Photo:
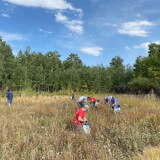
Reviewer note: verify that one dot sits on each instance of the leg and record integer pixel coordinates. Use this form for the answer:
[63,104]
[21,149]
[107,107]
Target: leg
[8,102]
[11,101]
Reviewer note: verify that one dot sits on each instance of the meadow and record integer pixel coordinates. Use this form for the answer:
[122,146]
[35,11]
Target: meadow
[40,127]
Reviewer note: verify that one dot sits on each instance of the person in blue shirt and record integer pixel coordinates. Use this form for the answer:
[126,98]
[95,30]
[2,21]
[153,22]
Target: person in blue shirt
[9,98]
[115,104]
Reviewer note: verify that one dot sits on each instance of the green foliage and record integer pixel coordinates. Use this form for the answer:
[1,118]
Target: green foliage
[6,64]
[149,67]
[46,72]
[142,85]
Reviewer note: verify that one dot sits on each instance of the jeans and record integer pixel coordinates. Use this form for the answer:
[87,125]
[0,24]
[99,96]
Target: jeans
[107,103]
[9,102]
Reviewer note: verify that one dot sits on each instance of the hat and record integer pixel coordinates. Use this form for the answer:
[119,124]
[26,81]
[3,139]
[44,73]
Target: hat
[86,106]
[110,97]
[85,99]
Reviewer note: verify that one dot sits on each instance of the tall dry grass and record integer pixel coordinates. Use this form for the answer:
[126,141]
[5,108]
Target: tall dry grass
[36,128]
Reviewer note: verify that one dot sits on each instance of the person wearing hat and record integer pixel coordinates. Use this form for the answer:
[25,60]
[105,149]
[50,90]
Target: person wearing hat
[106,101]
[81,100]
[115,104]
[79,118]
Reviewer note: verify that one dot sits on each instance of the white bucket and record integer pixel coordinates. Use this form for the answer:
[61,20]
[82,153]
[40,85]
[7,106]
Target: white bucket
[117,109]
[96,104]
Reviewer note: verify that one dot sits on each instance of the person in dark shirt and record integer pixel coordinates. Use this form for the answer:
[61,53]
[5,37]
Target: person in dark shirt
[9,95]
[72,97]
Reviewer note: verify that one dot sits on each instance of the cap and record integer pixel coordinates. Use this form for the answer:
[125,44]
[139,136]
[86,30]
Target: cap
[110,97]
[86,106]
[85,99]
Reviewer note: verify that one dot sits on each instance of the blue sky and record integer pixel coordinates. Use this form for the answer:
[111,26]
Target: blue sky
[96,30]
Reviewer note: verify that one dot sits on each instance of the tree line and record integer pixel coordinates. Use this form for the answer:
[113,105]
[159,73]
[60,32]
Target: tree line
[46,72]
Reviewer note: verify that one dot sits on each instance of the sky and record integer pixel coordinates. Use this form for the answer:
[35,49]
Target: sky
[96,30]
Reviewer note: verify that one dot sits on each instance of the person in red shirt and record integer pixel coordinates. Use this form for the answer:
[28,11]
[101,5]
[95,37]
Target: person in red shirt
[79,118]
[93,101]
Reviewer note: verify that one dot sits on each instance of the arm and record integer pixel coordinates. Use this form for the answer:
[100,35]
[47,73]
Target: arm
[114,103]
[80,119]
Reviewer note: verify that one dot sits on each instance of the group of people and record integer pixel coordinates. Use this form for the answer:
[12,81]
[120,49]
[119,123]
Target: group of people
[112,101]
[80,121]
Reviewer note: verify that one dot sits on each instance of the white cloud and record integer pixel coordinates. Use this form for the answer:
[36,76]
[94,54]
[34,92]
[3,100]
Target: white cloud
[94,51]
[74,25]
[61,18]
[48,4]
[145,45]
[47,32]
[128,48]
[136,28]
[11,36]
[138,15]
[5,15]
[111,25]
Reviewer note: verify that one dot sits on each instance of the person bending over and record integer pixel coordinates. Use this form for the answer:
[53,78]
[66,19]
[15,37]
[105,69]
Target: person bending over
[81,100]
[115,104]
[106,101]
[79,118]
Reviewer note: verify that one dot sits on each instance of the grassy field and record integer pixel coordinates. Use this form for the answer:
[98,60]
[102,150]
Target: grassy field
[36,128]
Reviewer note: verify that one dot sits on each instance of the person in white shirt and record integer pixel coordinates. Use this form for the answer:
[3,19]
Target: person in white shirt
[81,100]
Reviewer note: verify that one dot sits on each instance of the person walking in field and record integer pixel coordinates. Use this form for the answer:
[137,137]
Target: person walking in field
[81,100]
[115,104]
[106,101]
[80,119]
[9,95]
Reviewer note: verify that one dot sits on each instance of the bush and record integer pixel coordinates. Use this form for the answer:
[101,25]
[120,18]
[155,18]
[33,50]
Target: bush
[142,85]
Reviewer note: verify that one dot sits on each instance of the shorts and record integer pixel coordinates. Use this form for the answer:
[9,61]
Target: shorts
[78,127]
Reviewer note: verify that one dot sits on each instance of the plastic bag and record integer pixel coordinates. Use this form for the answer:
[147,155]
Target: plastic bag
[86,129]
[116,109]
[96,104]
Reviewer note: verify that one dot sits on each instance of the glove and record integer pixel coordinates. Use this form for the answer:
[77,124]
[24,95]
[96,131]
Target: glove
[86,123]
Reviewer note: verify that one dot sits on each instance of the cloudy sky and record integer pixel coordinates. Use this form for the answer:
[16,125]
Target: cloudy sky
[97,30]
